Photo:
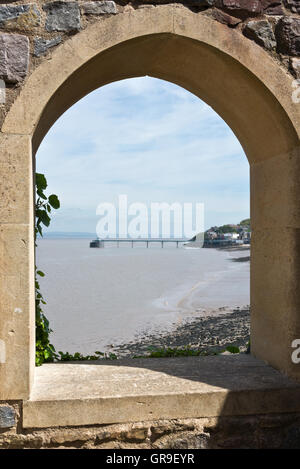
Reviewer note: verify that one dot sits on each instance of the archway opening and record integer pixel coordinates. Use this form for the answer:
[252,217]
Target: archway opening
[143,142]
[257,118]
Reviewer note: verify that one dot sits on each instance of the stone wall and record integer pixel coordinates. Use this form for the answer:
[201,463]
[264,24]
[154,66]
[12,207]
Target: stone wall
[258,431]
[30,31]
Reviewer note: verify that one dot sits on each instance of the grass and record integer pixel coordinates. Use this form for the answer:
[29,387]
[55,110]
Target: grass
[68,357]
[163,352]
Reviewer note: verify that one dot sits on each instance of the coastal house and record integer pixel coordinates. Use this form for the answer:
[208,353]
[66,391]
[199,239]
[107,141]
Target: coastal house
[231,236]
[211,234]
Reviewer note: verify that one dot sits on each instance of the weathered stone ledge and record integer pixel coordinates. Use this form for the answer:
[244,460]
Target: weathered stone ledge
[233,402]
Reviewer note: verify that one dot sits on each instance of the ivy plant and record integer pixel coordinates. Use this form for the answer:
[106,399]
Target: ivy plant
[45,352]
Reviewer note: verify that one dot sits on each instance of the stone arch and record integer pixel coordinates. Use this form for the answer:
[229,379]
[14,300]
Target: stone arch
[241,81]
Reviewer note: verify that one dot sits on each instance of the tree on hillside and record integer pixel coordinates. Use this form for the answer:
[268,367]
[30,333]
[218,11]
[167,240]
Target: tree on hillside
[246,224]
[227,229]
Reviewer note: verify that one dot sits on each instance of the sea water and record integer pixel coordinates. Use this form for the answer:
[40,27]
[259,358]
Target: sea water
[98,298]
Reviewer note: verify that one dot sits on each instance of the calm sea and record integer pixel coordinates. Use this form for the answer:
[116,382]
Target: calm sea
[102,297]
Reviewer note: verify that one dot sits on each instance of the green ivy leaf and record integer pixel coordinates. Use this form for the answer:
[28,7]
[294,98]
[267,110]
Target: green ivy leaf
[53,201]
[45,352]
[41,181]
[43,217]
[41,194]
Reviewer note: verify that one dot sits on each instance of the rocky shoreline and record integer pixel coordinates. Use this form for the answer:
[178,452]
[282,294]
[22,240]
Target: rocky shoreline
[211,333]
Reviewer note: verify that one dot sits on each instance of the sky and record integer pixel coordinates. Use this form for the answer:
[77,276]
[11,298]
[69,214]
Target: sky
[150,140]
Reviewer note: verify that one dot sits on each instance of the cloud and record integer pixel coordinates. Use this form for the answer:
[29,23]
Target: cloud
[149,139]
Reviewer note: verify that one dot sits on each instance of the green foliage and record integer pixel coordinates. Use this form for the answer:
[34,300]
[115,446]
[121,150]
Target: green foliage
[43,204]
[68,357]
[243,225]
[45,351]
[232,349]
[227,229]
[245,222]
[53,201]
[172,352]
[187,351]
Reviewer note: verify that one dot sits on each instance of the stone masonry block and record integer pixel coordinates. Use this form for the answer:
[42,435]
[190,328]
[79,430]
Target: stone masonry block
[62,16]
[99,8]
[7,416]
[261,32]
[42,45]
[288,35]
[14,57]
[19,17]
